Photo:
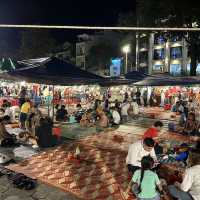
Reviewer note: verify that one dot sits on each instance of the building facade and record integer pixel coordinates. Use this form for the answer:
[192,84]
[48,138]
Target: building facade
[158,54]
[82,48]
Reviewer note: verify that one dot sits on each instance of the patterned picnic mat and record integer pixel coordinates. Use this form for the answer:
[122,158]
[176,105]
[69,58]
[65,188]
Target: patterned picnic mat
[101,174]
[159,113]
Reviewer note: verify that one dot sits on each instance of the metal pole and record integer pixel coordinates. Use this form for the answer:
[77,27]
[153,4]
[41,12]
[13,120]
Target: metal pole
[48,99]
[53,111]
[126,62]
[137,52]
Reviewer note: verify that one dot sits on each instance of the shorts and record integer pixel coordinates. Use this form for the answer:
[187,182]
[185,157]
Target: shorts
[23,117]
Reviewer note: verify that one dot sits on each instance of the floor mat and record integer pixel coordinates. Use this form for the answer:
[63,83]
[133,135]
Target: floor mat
[159,113]
[102,172]
[100,175]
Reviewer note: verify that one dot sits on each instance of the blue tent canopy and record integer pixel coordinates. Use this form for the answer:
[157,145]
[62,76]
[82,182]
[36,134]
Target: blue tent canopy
[53,71]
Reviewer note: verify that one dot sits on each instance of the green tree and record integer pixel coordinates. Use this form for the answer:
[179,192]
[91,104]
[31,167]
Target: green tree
[102,49]
[36,43]
[170,13]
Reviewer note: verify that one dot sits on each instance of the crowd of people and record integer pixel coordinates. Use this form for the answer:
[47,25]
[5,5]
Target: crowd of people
[147,182]
[144,156]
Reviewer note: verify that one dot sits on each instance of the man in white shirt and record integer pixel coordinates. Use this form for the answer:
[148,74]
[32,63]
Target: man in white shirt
[124,111]
[137,151]
[116,116]
[189,189]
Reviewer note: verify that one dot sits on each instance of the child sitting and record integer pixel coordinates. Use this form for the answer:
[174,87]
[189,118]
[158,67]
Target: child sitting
[86,120]
[179,156]
[145,181]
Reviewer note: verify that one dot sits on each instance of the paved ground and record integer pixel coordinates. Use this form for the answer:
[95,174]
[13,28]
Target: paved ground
[44,192]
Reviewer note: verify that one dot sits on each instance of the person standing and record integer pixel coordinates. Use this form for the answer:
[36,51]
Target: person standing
[124,111]
[22,96]
[25,108]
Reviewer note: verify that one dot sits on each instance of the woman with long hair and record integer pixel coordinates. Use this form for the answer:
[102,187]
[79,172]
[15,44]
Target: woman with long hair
[145,182]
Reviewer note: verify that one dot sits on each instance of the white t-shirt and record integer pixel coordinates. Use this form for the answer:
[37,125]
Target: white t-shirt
[191,181]
[135,108]
[124,110]
[181,108]
[136,152]
[116,117]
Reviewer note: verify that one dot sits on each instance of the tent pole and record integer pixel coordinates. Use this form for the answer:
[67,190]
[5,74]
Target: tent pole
[53,105]
[48,102]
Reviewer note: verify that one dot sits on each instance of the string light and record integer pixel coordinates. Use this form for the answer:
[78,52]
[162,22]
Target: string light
[99,28]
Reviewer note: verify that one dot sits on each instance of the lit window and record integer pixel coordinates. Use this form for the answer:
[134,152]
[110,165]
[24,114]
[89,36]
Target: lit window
[197,69]
[176,52]
[159,54]
[175,69]
[159,40]
[157,67]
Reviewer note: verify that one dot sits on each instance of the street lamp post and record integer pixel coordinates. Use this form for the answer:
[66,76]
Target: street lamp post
[126,49]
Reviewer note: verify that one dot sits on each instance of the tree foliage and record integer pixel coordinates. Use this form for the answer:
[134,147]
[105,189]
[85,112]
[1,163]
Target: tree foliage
[36,43]
[103,48]
[174,13]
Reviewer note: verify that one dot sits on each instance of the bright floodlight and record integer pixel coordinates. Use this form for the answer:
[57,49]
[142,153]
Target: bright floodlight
[126,49]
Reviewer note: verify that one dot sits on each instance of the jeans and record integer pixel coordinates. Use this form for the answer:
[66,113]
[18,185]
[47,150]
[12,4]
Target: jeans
[124,118]
[136,193]
[179,194]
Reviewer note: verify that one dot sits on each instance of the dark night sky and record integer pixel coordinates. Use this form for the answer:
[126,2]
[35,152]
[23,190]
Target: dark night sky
[63,12]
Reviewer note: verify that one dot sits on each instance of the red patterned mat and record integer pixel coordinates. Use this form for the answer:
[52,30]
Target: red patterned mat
[159,113]
[113,140]
[116,140]
[100,175]
[102,172]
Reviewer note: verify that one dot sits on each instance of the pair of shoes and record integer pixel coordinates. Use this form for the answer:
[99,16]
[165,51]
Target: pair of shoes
[21,181]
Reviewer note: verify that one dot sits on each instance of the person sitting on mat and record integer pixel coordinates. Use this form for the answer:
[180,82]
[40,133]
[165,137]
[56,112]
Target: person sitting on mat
[137,151]
[189,189]
[86,120]
[102,122]
[145,182]
[191,125]
[61,114]
[5,137]
[44,135]
[116,119]
[154,132]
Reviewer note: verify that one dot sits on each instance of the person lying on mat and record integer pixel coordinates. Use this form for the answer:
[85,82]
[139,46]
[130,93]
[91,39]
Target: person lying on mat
[145,182]
[189,189]
[137,151]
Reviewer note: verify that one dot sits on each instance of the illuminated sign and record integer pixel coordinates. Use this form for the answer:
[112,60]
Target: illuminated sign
[115,67]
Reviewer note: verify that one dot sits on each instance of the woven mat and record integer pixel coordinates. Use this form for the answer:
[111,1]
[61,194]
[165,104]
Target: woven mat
[102,172]
[159,113]
[100,175]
